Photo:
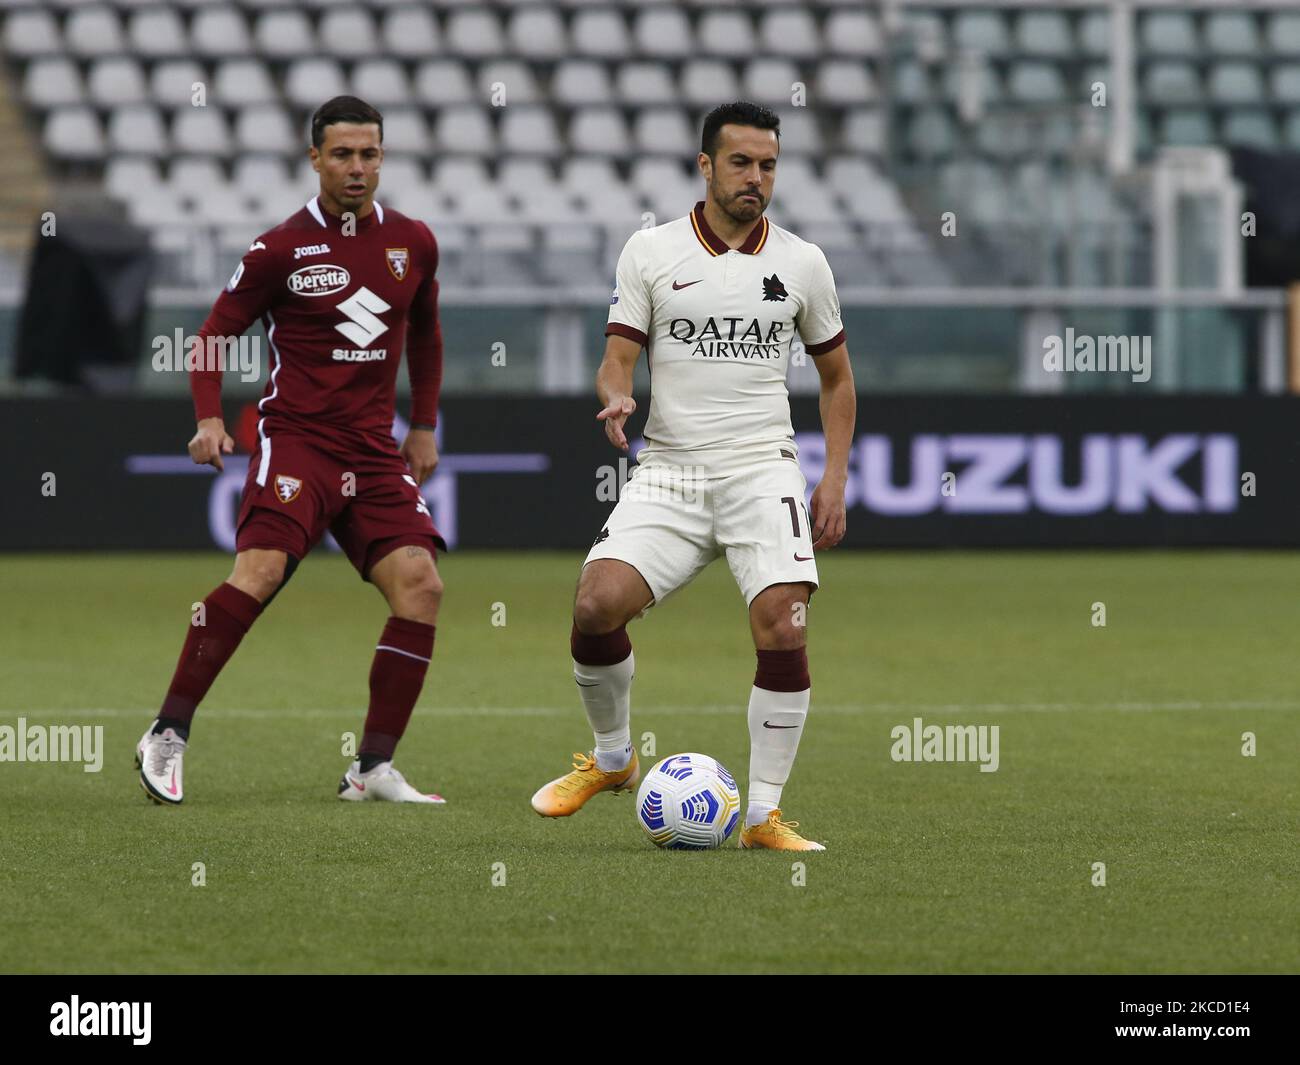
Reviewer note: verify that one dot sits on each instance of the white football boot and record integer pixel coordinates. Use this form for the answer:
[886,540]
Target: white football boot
[383,784]
[159,758]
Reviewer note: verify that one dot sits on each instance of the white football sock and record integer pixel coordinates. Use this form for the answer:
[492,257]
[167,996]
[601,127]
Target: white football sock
[607,695]
[775,724]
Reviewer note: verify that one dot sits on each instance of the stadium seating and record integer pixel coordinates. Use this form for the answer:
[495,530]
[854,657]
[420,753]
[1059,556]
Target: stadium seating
[587,96]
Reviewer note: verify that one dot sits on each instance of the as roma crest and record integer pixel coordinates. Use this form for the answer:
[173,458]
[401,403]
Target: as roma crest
[287,488]
[398,260]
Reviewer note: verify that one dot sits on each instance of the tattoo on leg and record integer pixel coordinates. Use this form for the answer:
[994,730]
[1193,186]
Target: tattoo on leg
[416,552]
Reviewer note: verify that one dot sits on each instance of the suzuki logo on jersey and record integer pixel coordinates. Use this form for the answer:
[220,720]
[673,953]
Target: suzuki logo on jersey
[310,249]
[729,340]
[363,308]
[398,260]
[322,279]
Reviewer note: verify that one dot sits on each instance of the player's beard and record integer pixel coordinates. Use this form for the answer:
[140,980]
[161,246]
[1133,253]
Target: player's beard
[738,209]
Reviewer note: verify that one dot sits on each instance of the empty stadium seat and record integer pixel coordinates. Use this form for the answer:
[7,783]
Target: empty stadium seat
[790,32]
[841,82]
[663,131]
[1094,33]
[1036,82]
[1167,33]
[664,33]
[853,33]
[52,82]
[1231,33]
[201,130]
[309,82]
[285,34]
[582,81]
[706,82]
[1187,127]
[348,33]
[116,81]
[220,31]
[443,83]
[1285,82]
[266,128]
[981,31]
[32,33]
[1044,33]
[647,84]
[94,31]
[475,34]
[137,129]
[1235,82]
[599,131]
[156,33]
[602,34]
[405,130]
[514,79]
[409,33]
[538,33]
[770,81]
[529,130]
[728,34]
[465,129]
[1171,82]
[74,134]
[381,83]
[242,83]
[1250,127]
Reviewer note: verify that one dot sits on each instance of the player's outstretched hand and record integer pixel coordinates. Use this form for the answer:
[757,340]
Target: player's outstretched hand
[210,443]
[420,449]
[828,519]
[614,416]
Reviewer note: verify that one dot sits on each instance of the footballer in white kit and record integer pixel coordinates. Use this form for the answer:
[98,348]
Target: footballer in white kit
[717,298]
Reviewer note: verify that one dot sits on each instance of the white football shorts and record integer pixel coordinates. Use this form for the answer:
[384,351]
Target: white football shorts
[669,523]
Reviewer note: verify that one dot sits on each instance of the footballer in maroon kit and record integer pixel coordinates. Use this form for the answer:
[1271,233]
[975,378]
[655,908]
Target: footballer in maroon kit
[335,287]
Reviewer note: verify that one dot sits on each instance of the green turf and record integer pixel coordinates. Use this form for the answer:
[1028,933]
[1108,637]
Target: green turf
[1119,744]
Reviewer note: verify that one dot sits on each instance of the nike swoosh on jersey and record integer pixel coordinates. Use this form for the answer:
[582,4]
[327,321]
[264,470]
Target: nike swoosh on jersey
[799,558]
[678,288]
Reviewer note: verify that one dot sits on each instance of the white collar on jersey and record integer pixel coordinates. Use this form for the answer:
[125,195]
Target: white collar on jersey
[313,205]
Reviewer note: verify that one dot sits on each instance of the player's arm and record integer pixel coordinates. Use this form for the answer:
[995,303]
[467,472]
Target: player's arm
[839,407]
[424,367]
[626,333]
[614,386]
[245,298]
[822,330]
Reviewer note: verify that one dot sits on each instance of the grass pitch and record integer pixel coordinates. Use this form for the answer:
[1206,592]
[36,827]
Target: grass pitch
[1119,744]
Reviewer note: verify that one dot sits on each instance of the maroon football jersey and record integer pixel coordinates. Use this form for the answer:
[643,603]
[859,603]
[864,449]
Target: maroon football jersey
[335,307]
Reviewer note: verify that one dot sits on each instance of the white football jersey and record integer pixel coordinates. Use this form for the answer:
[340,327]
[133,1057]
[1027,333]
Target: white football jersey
[717,325]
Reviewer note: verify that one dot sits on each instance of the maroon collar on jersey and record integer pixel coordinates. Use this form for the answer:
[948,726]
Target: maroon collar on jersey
[716,245]
[318,213]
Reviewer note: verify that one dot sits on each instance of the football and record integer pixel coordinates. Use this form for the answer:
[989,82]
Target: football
[688,802]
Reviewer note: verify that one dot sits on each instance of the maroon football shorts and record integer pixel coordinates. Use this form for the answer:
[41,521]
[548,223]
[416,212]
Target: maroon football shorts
[299,485]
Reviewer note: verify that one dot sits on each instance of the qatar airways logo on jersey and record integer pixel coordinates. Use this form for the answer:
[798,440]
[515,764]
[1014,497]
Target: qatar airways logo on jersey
[1020,473]
[322,279]
[730,338]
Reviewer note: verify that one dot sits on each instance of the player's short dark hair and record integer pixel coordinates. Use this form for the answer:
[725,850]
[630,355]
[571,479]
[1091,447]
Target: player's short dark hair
[740,113]
[343,109]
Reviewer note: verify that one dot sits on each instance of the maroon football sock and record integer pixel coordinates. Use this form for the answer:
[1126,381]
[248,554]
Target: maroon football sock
[396,676]
[228,615]
[608,649]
